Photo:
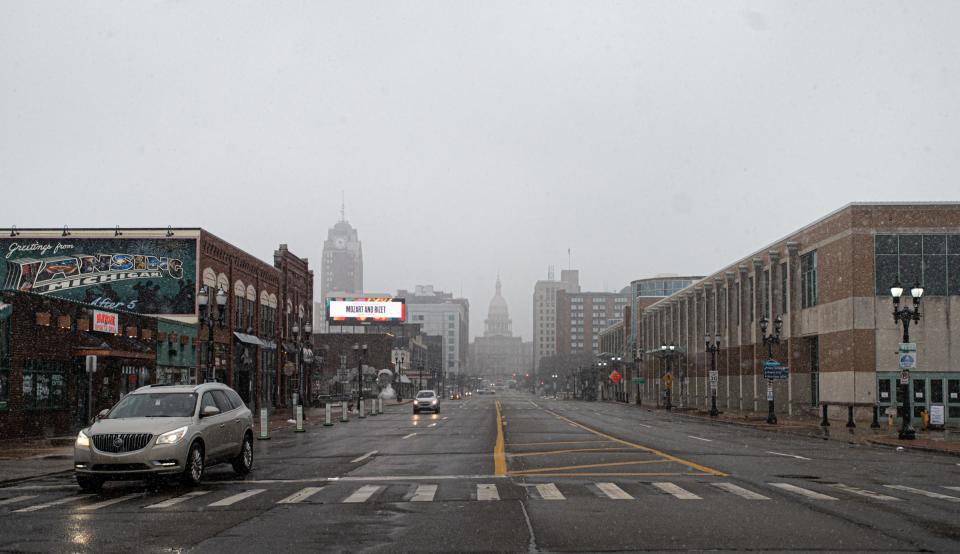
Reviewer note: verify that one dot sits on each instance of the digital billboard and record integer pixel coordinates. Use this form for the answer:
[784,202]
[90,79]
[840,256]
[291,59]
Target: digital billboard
[155,276]
[347,311]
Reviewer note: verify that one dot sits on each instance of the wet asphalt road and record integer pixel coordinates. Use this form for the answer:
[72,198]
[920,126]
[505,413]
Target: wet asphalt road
[559,476]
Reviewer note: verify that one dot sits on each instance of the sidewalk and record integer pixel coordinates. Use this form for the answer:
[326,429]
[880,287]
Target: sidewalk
[943,442]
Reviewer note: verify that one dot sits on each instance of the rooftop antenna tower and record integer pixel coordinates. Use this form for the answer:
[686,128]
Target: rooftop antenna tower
[569,266]
[550,273]
[343,206]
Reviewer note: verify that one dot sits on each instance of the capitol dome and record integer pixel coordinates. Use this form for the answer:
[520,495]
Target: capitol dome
[498,316]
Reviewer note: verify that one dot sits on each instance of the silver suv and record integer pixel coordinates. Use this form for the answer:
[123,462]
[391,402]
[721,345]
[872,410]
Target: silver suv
[162,430]
[426,400]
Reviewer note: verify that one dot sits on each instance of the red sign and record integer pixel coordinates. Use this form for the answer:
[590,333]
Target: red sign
[105,322]
[615,376]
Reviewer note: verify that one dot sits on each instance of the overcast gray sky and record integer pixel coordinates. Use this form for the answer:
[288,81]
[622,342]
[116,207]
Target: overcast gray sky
[472,137]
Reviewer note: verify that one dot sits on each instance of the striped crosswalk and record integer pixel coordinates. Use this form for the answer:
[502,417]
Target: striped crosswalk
[340,492]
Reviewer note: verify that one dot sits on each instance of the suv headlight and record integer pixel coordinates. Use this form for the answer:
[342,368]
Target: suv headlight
[83,441]
[172,437]
[434,401]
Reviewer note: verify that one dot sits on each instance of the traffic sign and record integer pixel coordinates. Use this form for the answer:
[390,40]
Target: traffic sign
[615,376]
[668,381]
[772,370]
[769,390]
[714,377]
[638,381]
[907,353]
[904,377]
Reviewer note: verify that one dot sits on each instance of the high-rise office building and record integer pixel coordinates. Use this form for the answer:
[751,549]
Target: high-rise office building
[545,311]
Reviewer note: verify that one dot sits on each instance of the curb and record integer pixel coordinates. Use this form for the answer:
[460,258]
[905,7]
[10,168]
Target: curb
[7,482]
[954,453]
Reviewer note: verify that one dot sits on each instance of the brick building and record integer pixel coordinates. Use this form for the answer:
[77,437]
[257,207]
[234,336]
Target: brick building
[581,316]
[44,381]
[829,281]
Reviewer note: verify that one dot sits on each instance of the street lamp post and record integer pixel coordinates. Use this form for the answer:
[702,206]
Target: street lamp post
[669,353]
[554,384]
[360,352]
[300,335]
[712,349]
[397,359]
[211,315]
[420,377]
[770,340]
[905,315]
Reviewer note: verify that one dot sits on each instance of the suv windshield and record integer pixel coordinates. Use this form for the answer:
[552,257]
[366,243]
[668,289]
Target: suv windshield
[169,404]
[428,394]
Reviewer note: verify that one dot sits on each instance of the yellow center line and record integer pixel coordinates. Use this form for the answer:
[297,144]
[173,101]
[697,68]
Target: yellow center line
[611,474]
[691,465]
[523,454]
[499,460]
[587,466]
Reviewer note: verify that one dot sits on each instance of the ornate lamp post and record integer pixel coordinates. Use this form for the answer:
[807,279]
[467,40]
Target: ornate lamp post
[211,315]
[397,360]
[300,339]
[669,353]
[770,340]
[360,353]
[905,315]
[712,349]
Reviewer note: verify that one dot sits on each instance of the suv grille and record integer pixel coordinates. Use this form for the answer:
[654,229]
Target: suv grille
[121,442]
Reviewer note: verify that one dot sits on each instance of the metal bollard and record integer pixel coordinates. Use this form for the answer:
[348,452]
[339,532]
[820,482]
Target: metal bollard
[300,428]
[373,406]
[327,415]
[264,425]
[850,423]
[381,406]
[825,422]
[875,424]
[360,413]
[344,416]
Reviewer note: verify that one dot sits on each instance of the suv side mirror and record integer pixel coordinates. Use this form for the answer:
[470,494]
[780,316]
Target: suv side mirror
[103,413]
[208,411]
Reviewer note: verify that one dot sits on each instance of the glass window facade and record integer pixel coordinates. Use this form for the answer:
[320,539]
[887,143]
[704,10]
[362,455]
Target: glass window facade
[662,287]
[808,280]
[931,260]
[44,384]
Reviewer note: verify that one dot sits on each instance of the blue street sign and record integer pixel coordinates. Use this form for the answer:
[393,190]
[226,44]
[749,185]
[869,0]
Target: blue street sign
[774,371]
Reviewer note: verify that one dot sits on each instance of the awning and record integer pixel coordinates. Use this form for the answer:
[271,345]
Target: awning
[404,379]
[248,339]
[5,310]
[268,344]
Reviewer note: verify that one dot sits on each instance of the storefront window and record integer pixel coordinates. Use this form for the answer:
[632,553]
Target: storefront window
[44,385]
[4,363]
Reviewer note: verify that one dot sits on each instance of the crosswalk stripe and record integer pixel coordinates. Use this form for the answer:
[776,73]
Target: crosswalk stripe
[111,502]
[178,499]
[424,493]
[36,507]
[16,499]
[953,488]
[865,492]
[936,495]
[487,491]
[803,492]
[613,491]
[740,491]
[300,495]
[230,500]
[362,494]
[549,491]
[676,491]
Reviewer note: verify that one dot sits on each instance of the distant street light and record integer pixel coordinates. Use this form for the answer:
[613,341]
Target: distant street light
[360,353]
[905,315]
[211,315]
[770,340]
[712,349]
[669,353]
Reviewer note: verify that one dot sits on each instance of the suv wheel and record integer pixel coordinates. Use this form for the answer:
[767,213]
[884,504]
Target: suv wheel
[243,463]
[193,470]
[90,483]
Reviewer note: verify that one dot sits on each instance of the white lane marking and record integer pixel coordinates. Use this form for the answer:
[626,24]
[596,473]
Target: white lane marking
[865,492]
[487,491]
[36,507]
[549,491]
[231,500]
[16,499]
[953,488]
[644,425]
[176,500]
[787,455]
[613,491]
[739,491]
[425,493]
[432,425]
[533,403]
[111,502]
[936,495]
[444,417]
[676,491]
[364,457]
[300,495]
[700,438]
[408,436]
[361,494]
[803,492]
